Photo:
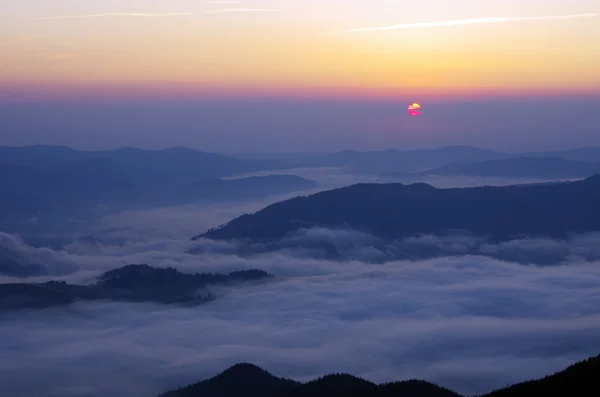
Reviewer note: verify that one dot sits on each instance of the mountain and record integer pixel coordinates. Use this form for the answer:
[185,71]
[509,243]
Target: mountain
[392,211]
[578,380]
[519,167]
[587,154]
[415,161]
[334,385]
[82,188]
[380,162]
[132,283]
[240,380]
[182,164]
[246,380]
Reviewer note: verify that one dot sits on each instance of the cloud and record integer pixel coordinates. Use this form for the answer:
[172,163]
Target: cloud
[470,323]
[472,21]
[66,55]
[21,39]
[231,10]
[476,318]
[121,14]
[155,15]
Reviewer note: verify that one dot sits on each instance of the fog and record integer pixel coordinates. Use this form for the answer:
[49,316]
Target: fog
[457,310]
[470,323]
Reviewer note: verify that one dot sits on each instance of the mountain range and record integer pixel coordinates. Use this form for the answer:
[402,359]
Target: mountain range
[416,161]
[392,211]
[518,167]
[247,380]
[47,184]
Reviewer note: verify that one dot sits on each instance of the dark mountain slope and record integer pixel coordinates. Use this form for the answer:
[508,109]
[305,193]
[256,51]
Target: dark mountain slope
[333,385]
[520,167]
[396,210]
[245,380]
[417,388]
[579,380]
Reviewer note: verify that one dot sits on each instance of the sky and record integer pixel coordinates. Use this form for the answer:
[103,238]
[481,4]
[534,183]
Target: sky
[137,55]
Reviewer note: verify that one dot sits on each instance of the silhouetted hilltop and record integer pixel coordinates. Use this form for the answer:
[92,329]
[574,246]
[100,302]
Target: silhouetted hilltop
[246,380]
[132,283]
[240,380]
[393,211]
[413,387]
[333,385]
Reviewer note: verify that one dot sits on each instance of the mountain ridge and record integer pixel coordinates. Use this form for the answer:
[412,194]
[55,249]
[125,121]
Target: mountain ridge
[578,380]
[392,211]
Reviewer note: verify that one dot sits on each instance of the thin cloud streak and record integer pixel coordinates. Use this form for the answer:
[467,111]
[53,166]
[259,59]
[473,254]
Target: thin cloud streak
[228,10]
[120,14]
[472,21]
[148,15]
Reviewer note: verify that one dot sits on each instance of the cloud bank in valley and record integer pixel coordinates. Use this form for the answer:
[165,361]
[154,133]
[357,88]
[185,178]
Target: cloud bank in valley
[469,323]
[472,320]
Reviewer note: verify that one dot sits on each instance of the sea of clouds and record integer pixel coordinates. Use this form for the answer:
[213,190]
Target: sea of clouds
[473,316]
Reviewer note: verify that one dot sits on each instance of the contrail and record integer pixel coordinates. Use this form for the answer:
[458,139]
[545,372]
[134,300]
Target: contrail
[120,14]
[471,21]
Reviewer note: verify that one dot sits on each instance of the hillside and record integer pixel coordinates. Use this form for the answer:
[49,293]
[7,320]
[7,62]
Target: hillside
[246,380]
[392,211]
[132,283]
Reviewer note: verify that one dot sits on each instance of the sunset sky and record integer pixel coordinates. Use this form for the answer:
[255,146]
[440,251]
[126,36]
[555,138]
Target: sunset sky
[435,49]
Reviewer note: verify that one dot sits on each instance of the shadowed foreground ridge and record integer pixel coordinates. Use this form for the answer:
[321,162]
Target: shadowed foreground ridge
[240,380]
[247,380]
[392,211]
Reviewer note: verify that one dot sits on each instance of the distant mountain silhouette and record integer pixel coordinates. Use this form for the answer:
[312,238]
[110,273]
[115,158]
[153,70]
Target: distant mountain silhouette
[179,163]
[587,154]
[392,211]
[79,188]
[132,283]
[519,167]
[246,380]
[385,161]
[415,161]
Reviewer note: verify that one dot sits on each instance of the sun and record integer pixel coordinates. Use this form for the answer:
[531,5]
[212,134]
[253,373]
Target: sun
[414,109]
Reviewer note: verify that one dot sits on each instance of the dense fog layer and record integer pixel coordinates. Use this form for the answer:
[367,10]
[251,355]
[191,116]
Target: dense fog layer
[474,316]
